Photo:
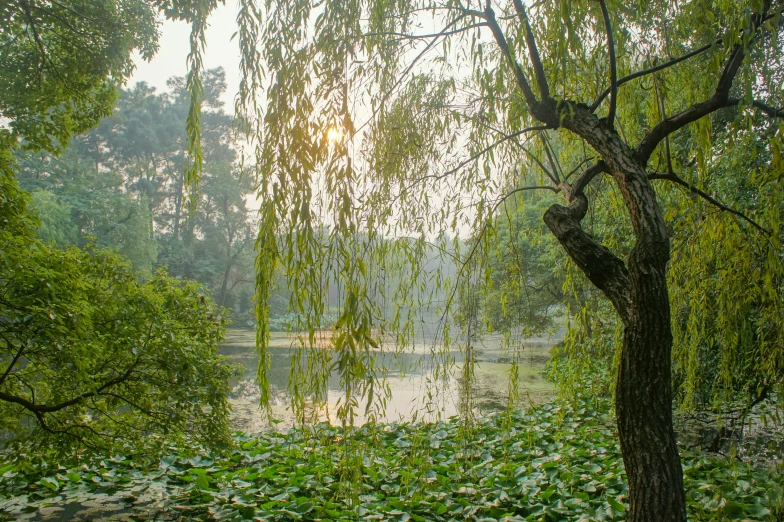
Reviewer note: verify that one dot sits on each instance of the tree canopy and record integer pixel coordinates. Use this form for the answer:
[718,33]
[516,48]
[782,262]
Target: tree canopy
[93,357]
[121,185]
[62,63]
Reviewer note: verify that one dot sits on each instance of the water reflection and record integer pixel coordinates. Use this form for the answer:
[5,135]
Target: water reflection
[415,391]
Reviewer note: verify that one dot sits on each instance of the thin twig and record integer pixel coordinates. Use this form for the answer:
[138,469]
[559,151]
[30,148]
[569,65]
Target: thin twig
[710,199]
[645,72]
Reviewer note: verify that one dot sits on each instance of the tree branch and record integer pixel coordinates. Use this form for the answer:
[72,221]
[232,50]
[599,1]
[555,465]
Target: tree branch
[719,99]
[413,63]
[710,199]
[405,36]
[44,408]
[556,178]
[613,65]
[523,189]
[522,81]
[13,361]
[583,180]
[533,50]
[603,268]
[536,159]
[476,156]
[645,72]
[576,168]
[771,111]
[664,65]
[36,36]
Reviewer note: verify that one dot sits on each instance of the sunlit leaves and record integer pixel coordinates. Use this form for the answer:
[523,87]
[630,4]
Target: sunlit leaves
[61,63]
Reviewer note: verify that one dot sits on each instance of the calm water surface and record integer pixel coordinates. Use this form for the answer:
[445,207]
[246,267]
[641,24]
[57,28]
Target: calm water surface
[415,393]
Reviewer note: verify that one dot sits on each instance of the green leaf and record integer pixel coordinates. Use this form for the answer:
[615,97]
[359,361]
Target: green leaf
[50,483]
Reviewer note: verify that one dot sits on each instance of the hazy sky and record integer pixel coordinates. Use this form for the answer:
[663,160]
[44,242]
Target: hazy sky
[175,44]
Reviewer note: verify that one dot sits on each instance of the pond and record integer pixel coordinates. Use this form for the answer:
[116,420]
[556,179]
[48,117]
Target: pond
[415,393]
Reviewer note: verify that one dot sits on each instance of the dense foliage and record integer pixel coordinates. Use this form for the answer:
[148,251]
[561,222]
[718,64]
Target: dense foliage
[61,64]
[558,462]
[90,356]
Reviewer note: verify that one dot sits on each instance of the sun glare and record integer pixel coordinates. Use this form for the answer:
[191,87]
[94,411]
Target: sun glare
[334,135]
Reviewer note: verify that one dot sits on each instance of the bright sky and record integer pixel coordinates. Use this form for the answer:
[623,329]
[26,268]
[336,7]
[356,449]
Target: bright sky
[175,45]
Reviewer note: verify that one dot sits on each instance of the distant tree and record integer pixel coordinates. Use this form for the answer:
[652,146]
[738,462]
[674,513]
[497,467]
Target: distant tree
[121,186]
[79,205]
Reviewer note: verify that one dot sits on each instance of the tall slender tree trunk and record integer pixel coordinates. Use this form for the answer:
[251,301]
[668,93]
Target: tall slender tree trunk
[178,206]
[225,283]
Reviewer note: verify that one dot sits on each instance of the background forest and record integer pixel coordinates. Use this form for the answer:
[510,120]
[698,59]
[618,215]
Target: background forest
[120,185]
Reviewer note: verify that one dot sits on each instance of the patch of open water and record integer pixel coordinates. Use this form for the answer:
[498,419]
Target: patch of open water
[415,393]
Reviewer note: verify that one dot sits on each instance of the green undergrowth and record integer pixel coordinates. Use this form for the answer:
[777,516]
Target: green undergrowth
[556,462]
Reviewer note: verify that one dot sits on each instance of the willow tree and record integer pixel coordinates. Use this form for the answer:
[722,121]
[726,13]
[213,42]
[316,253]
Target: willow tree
[385,120]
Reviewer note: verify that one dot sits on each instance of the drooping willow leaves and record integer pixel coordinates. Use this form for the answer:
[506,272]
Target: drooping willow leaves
[435,136]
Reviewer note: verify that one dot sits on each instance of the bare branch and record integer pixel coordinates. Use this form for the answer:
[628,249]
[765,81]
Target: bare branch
[613,66]
[500,39]
[533,50]
[710,199]
[719,99]
[645,72]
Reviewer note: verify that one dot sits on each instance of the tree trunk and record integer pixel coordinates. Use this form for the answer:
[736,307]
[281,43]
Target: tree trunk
[643,401]
[638,292]
[178,206]
[225,283]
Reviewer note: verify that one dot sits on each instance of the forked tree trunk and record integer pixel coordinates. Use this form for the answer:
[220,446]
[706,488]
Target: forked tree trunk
[637,289]
[643,400]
